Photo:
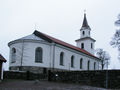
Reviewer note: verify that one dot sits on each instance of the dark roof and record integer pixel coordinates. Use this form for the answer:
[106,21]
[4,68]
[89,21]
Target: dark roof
[85,23]
[51,39]
[2,58]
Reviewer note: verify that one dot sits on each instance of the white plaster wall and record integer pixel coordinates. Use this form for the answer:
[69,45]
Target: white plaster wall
[67,60]
[87,45]
[29,56]
[18,47]
[86,33]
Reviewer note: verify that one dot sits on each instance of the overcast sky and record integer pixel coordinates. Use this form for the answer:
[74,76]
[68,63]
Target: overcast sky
[61,19]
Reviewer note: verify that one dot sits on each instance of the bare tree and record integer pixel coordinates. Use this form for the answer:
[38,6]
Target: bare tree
[104,56]
[115,42]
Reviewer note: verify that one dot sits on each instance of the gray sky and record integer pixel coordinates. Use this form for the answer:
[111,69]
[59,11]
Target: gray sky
[61,19]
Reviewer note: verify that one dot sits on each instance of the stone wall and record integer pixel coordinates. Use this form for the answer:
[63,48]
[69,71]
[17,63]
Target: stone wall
[109,79]
[24,75]
[99,78]
[34,69]
[29,68]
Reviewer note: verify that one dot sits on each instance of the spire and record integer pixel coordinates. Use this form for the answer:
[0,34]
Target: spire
[85,23]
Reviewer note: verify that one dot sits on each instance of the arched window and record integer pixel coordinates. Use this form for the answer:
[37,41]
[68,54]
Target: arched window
[13,59]
[82,45]
[61,58]
[83,33]
[38,55]
[91,45]
[88,65]
[81,62]
[72,61]
[94,65]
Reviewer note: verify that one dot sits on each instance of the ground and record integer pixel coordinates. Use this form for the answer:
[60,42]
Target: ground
[42,85]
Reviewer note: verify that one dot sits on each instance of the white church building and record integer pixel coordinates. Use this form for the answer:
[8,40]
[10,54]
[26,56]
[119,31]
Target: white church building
[40,52]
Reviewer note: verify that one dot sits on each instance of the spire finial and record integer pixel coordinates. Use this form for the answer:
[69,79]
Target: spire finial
[35,26]
[85,11]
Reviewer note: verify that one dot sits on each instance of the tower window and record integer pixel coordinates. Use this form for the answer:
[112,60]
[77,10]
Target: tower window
[89,32]
[83,33]
[91,45]
[82,45]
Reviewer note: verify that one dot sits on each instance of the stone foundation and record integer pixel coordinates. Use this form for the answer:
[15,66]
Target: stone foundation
[34,69]
[29,68]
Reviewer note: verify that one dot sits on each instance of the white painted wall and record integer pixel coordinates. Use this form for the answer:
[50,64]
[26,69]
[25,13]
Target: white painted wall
[87,45]
[87,41]
[29,54]
[67,60]
[48,55]
[18,47]
[86,33]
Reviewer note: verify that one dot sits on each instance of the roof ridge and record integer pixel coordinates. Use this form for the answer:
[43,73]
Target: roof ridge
[52,39]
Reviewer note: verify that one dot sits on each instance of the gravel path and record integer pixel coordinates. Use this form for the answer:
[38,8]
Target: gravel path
[42,85]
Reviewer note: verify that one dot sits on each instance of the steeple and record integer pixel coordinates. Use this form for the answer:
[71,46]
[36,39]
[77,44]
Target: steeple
[85,23]
[85,41]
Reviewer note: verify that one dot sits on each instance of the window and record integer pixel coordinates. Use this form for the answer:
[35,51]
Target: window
[89,32]
[61,58]
[13,59]
[91,45]
[81,61]
[88,65]
[94,65]
[82,45]
[72,61]
[38,55]
[83,33]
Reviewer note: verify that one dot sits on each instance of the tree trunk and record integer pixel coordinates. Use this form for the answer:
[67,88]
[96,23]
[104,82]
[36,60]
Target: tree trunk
[102,65]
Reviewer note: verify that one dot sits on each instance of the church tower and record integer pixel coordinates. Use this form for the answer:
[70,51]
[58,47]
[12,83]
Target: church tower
[86,42]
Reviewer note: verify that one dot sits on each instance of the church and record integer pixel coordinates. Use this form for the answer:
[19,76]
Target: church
[39,52]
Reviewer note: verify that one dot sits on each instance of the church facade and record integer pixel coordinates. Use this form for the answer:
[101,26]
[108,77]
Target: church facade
[40,52]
